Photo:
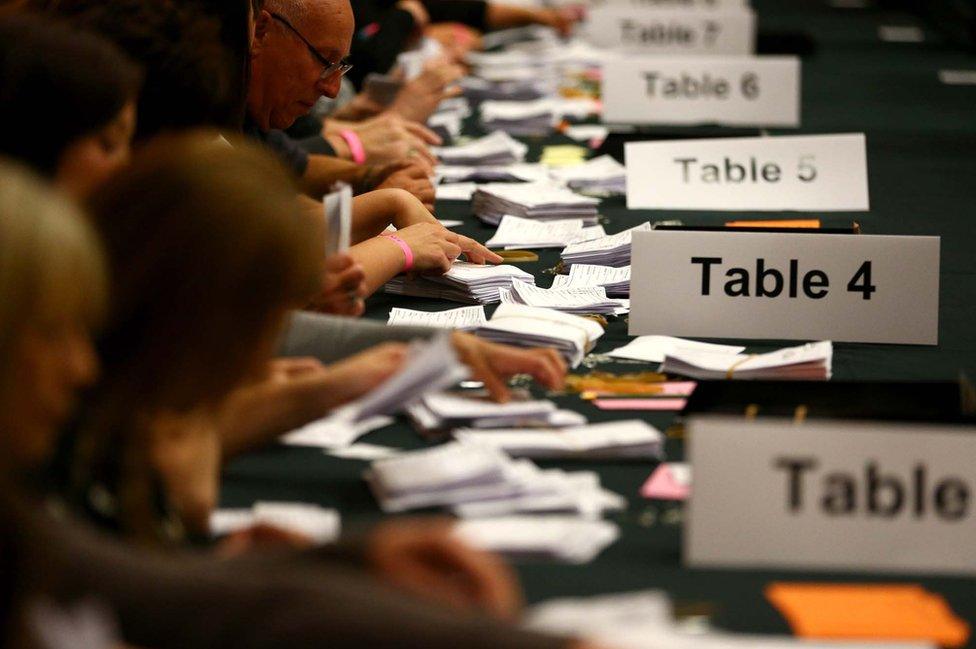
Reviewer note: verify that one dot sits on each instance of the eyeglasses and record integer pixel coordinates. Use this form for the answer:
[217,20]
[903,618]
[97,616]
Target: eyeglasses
[329,68]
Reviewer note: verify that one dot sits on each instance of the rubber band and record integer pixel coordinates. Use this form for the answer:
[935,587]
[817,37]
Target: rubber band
[735,366]
[407,252]
[356,149]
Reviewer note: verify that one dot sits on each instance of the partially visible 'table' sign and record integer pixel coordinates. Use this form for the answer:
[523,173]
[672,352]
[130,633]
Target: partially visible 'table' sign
[729,31]
[732,91]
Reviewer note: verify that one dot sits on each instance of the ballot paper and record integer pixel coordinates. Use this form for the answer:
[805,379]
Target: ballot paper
[669,481]
[630,439]
[810,362]
[519,117]
[445,411]
[653,349]
[563,538]
[611,250]
[593,134]
[616,281]
[498,148]
[602,175]
[581,301]
[526,326]
[518,172]
[319,524]
[365,452]
[338,219]
[448,121]
[478,89]
[454,192]
[540,201]
[465,282]
[334,431]
[554,490]
[515,232]
[466,317]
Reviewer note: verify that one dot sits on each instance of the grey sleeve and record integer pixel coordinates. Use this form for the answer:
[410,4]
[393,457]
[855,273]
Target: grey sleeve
[333,338]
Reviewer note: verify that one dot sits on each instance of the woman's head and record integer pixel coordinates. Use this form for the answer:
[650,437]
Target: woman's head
[52,288]
[207,251]
[67,101]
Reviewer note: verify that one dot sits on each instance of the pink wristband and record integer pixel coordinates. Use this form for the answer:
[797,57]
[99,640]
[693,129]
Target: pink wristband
[407,252]
[356,149]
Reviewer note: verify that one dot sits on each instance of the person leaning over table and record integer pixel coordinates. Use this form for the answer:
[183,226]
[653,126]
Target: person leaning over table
[53,290]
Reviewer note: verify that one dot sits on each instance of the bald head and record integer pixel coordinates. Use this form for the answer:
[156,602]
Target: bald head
[286,72]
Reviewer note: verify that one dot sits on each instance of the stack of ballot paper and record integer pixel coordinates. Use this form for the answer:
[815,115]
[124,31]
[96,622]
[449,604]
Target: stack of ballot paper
[616,281]
[455,191]
[478,89]
[526,326]
[460,476]
[562,538]
[518,117]
[644,620]
[519,172]
[540,201]
[552,490]
[611,250]
[466,317]
[602,176]
[334,432]
[810,362]
[581,301]
[317,523]
[465,282]
[497,148]
[608,441]
[445,411]
[653,349]
[515,232]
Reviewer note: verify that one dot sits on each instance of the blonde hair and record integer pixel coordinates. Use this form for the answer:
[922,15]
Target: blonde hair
[50,262]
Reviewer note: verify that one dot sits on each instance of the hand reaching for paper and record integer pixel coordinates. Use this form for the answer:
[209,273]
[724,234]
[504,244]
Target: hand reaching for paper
[388,137]
[494,364]
[343,288]
[412,175]
[419,97]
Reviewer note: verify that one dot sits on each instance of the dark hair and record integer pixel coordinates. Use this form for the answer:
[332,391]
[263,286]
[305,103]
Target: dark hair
[57,84]
[189,73]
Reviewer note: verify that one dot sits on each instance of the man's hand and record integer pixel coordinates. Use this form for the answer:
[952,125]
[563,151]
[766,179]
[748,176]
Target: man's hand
[494,364]
[386,138]
[343,287]
[356,375]
[420,97]
[456,39]
[412,176]
[426,558]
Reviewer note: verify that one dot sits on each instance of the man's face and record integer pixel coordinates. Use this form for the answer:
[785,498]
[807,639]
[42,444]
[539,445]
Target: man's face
[286,77]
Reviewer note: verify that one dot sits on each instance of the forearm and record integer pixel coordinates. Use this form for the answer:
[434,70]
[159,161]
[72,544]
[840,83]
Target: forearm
[374,211]
[500,16]
[324,171]
[332,338]
[381,259]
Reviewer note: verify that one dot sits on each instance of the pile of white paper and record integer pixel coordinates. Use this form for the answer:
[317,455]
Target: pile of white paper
[810,362]
[653,349]
[528,326]
[581,301]
[465,282]
[445,411]
[518,117]
[475,481]
[616,281]
[541,201]
[603,176]
[611,250]
[478,89]
[515,232]
[562,538]
[498,148]
[608,441]
[455,191]
[465,317]
[644,620]
[334,432]
[519,172]
[317,523]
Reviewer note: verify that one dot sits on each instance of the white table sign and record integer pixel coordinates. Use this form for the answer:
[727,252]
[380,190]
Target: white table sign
[678,31]
[809,172]
[841,287]
[831,495]
[733,91]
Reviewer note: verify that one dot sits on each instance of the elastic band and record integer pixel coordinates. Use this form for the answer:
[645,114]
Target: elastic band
[407,252]
[356,149]
[735,366]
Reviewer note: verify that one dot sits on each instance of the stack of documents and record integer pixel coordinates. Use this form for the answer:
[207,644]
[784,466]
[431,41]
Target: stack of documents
[520,172]
[581,301]
[465,282]
[496,149]
[515,89]
[612,250]
[602,176]
[445,411]
[631,439]
[616,281]
[475,481]
[317,523]
[810,362]
[653,349]
[466,317]
[562,538]
[526,326]
[540,201]
[515,232]
[518,117]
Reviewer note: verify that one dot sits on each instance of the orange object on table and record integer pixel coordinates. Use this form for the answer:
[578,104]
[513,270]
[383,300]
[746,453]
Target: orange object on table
[803,224]
[868,612]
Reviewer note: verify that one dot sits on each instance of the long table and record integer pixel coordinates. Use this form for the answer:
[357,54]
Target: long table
[921,140]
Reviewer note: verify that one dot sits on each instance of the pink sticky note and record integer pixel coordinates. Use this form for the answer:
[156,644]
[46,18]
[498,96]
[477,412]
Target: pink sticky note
[677,388]
[639,404]
[669,481]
